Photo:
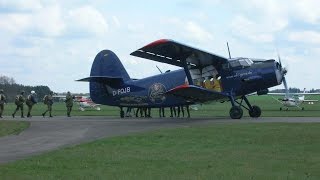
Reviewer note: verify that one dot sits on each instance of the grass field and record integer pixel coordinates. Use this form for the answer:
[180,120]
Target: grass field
[12,127]
[268,105]
[223,151]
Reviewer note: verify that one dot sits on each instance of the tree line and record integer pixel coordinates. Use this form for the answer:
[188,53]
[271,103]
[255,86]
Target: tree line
[11,88]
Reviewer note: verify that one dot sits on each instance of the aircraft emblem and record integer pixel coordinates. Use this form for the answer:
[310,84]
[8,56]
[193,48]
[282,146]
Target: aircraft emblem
[157,93]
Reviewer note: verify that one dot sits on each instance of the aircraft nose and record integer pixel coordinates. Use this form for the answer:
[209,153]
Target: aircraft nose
[280,72]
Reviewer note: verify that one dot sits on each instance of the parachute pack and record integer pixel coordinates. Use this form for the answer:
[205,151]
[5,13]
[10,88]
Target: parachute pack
[45,99]
[16,100]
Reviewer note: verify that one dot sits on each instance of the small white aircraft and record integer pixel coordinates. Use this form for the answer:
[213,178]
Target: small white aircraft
[294,99]
[86,102]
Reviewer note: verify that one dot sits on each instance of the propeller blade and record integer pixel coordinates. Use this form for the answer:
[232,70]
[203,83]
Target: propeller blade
[285,87]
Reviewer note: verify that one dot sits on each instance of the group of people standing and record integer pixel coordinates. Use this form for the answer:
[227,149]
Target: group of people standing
[146,112]
[31,100]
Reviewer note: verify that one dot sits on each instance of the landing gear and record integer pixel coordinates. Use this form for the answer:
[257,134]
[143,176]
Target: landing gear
[121,112]
[236,112]
[302,108]
[255,111]
[280,108]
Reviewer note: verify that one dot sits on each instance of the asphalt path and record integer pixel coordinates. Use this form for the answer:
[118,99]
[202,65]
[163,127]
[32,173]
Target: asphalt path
[46,134]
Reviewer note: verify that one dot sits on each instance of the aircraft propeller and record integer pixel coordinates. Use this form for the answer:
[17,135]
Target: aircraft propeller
[284,72]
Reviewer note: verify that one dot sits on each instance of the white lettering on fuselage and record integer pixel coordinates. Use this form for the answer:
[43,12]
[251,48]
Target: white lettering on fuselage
[237,75]
[121,91]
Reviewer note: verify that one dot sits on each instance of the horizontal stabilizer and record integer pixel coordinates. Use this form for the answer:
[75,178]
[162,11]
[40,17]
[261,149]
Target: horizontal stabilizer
[102,79]
[196,93]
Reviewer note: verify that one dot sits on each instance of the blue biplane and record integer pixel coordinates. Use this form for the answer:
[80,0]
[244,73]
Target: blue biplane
[203,77]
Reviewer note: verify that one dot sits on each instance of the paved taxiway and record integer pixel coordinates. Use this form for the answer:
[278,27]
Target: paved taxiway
[45,134]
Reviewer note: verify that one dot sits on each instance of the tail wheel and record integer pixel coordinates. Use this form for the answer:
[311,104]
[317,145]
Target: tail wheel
[255,111]
[236,112]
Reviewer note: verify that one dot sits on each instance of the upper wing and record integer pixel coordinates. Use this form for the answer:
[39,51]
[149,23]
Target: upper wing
[196,93]
[171,52]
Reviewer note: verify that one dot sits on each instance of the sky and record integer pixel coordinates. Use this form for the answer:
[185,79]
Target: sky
[54,42]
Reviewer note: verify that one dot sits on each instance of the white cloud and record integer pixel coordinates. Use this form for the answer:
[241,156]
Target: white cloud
[21,5]
[307,10]
[197,32]
[312,37]
[246,28]
[89,19]
[49,21]
[189,30]
[44,21]
[14,23]
[116,21]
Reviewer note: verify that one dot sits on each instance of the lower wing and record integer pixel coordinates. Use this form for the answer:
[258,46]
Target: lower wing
[196,94]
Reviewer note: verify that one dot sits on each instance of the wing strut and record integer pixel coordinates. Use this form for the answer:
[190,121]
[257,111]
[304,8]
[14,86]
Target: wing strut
[186,70]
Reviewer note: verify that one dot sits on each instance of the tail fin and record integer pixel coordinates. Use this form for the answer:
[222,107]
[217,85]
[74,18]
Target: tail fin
[106,63]
[107,72]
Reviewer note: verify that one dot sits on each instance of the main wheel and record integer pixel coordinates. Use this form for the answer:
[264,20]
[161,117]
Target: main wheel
[255,111]
[236,112]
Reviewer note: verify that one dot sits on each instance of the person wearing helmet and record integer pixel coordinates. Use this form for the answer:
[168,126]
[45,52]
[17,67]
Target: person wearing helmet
[31,100]
[48,100]
[69,103]
[2,102]
[19,101]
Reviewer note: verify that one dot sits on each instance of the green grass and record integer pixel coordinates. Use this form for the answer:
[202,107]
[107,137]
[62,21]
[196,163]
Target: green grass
[12,127]
[223,151]
[270,108]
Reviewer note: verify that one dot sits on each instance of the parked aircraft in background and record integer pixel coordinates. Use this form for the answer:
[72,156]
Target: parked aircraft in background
[293,99]
[86,102]
[204,77]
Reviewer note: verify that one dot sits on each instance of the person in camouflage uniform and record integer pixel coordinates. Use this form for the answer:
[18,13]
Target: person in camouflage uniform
[31,100]
[48,100]
[69,103]
[2,102]
[19,101]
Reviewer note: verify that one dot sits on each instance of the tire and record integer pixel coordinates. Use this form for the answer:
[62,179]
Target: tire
[236,112]
[255,112]
[281,109]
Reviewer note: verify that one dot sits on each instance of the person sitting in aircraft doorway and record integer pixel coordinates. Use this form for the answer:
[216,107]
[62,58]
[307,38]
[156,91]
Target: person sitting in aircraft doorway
[212,84]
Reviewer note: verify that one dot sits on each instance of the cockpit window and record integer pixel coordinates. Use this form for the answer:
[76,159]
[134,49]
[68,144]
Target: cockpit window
[241,62]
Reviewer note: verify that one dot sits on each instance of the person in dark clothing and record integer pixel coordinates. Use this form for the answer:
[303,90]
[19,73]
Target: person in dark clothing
[19,101]
[180,109]
[173,111]
[161,112]
[31,100]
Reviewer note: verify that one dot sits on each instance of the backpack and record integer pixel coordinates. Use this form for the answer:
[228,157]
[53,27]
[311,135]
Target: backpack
[29,98]
[2,100]
[45,99]
[16,100]
[28,101]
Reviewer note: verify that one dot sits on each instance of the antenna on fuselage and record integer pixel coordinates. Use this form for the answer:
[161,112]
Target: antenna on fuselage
[229,50]
[159,69]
